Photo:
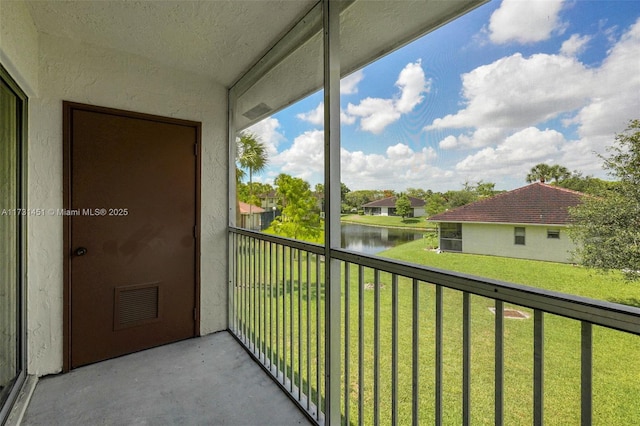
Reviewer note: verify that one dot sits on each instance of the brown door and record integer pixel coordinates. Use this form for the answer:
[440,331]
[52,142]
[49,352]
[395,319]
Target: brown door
[131,190]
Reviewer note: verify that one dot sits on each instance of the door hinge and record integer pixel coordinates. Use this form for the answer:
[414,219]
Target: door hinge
[195,231]
[195,314]
[195,149]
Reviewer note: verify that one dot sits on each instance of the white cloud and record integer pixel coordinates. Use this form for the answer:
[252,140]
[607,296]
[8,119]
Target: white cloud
[516,92]
[525,21]
[349,84]
[412,84]
[515,155]
[267,132]
[400,165]
[377,113]
[450,142]
[316,116]
[574,45]
[614,101]
[305,156]
[479,138]
[503,101]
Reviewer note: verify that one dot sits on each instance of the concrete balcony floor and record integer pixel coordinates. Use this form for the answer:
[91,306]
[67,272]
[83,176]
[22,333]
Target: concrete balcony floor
[209,380]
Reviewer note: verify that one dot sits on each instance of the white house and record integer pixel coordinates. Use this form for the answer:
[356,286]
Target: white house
[250,216]
[528,223]
[387,207]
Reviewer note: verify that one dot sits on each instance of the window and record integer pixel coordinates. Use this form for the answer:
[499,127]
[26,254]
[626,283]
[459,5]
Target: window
[451,236]
[519,234]
[553,234]
[12,352]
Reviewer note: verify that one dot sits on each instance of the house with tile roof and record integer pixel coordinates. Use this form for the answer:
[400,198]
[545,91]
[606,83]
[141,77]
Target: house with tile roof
[250,216]
[528,223]
[387,207]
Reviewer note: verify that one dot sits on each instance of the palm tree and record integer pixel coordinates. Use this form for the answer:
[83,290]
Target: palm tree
[559,173]
[540,172]
[251,154]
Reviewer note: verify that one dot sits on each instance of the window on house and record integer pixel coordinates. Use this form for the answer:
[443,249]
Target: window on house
[553,234]
[519,235]
[451,236]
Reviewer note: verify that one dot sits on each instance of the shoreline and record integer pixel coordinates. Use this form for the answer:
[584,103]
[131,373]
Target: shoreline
[430,230]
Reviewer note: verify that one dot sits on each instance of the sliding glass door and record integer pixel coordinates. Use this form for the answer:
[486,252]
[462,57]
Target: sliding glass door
[12,225]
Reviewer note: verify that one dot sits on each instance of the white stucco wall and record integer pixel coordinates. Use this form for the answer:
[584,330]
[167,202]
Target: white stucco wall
[19,44]
[498,240]
[56,69]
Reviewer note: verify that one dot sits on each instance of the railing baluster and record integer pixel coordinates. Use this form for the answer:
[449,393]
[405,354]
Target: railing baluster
[438,413]
[233,280]
[394,349]
[538,367]
[319,361]
[243,283]
[415,356]
[499,363]
[308,331]
[291,299]
[376,347]
[360,345]
[258,274]
[347,340]
[586,373]
[299,324]
[263,289]
[252,300]
[284,314]
[277,303]
[270,305]
[466,358]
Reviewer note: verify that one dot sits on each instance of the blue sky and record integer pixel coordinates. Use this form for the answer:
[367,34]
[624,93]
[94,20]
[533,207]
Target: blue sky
[512,84]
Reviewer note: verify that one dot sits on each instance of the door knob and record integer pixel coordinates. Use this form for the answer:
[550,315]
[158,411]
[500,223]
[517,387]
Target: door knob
[81,251]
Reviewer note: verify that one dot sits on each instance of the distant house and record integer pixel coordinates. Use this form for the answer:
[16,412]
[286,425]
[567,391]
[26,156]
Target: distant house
[528,223]
[250,216]
[269,201]
[387,207]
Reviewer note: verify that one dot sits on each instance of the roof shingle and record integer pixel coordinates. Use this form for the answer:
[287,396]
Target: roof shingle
[537,203]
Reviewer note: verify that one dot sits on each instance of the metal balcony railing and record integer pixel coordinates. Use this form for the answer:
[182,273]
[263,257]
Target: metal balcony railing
[420,345]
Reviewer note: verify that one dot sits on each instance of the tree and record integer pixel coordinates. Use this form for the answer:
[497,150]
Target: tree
[485,189]
[299,218]
[388,193]
[460,198]
[559,173]
[540,172]
[403,206]
[607,228]
[587,184]
[436,203]
[355,199]
[418,193]
[251,154]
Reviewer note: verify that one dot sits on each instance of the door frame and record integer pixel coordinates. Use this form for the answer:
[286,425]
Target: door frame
[67,110]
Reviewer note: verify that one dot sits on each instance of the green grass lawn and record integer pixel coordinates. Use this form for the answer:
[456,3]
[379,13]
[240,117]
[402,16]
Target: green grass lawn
[616,365]
[389,221]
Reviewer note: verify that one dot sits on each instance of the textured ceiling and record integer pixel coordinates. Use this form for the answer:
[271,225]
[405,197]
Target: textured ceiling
[220,38]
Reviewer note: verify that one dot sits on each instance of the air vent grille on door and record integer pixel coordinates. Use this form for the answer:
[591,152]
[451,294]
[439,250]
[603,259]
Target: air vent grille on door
[135,305]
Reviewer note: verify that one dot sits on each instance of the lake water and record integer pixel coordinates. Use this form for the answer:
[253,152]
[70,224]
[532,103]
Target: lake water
[374,239]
